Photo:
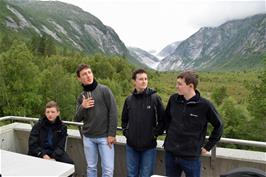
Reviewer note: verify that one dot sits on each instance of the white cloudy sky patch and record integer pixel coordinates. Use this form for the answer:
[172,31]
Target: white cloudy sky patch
[153,24]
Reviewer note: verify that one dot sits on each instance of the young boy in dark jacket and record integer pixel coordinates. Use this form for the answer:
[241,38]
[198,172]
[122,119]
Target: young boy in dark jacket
[187,115]
[142,122]
[48,136]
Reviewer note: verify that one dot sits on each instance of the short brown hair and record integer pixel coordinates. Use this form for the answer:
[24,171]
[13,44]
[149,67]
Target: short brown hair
[80,68]
[52,104]
[190,77]
[138,71]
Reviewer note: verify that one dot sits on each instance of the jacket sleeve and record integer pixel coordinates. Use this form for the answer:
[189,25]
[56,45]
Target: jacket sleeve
[167,115]
[59,148]
[112,112]
[214,118]
[80,111]
[159,129]
[35,148]
[125,118]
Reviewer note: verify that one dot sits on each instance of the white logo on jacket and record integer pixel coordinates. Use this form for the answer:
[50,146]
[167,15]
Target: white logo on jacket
[193,115]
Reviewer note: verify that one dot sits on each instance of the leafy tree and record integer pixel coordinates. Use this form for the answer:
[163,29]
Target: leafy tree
[218,95]
[58,85]
[234,120]
[5,43]
[20,76]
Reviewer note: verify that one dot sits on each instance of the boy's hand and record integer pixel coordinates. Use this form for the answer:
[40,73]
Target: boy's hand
[111,140]
[203,151]
[87,102]
[46,157]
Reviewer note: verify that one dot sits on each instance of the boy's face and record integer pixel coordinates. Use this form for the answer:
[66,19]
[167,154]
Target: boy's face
[182,87]
[51,113]
[86,76]
[141,81]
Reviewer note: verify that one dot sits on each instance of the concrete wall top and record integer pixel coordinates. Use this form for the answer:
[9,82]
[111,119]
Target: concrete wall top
[224,153]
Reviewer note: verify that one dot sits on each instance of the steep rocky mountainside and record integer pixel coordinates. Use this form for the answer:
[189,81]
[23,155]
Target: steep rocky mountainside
[68,25]
[169,49]
[234,45]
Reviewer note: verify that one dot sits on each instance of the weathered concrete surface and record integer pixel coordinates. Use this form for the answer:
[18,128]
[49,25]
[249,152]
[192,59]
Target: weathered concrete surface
[14,137]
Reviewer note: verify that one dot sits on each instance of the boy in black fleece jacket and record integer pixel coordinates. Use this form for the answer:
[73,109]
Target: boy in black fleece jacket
[142,122]
[48,136]
[186,117]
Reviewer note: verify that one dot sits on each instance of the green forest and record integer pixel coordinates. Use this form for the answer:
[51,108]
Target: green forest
[36,71]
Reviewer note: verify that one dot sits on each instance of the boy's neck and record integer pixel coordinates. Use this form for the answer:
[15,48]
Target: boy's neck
[189,95]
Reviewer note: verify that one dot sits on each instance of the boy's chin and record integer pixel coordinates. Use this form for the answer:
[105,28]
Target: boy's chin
[52,120]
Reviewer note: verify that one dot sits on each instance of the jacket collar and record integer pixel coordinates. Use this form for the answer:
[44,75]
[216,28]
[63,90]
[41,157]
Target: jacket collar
[147,91]
[194,100]
[45,121]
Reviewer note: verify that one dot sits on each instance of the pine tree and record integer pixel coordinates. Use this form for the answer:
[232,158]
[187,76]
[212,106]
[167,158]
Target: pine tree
[257,106]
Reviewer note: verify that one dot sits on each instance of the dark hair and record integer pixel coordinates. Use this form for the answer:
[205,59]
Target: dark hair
[138,71]
[190,77]
[52,104]
[80,68]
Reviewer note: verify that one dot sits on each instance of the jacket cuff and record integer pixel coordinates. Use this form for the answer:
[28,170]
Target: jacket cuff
[208,146]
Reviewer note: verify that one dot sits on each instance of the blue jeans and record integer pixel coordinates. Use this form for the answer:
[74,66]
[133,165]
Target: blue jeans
[174,166]
[140,163]
[91,147]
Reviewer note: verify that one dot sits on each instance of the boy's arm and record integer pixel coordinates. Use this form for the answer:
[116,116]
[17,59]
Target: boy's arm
[214,118]
[167,115]
[111,105]
[35,148]
[160,117]
[124,118]
[79,110]
[59,148]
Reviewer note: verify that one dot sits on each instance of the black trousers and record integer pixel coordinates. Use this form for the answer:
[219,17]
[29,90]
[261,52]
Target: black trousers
[64,158]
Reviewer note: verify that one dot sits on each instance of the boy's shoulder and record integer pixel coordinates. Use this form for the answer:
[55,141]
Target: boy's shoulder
[103,88]
[206,102]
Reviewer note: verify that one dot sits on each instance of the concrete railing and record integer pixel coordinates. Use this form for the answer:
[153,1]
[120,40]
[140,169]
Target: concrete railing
[80,124]
[212,163]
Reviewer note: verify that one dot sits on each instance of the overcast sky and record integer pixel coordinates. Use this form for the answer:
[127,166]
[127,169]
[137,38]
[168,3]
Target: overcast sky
[153,24]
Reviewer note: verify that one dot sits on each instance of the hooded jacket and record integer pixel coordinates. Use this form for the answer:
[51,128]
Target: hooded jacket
[142,119]
[186,126]
[38,139]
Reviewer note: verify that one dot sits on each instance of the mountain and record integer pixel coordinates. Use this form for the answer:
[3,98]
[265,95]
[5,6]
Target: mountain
[68,25]
[144,57]
[234,45]
[169,49]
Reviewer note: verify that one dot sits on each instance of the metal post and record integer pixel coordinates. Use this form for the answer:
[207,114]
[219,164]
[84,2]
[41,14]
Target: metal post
[213,158]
